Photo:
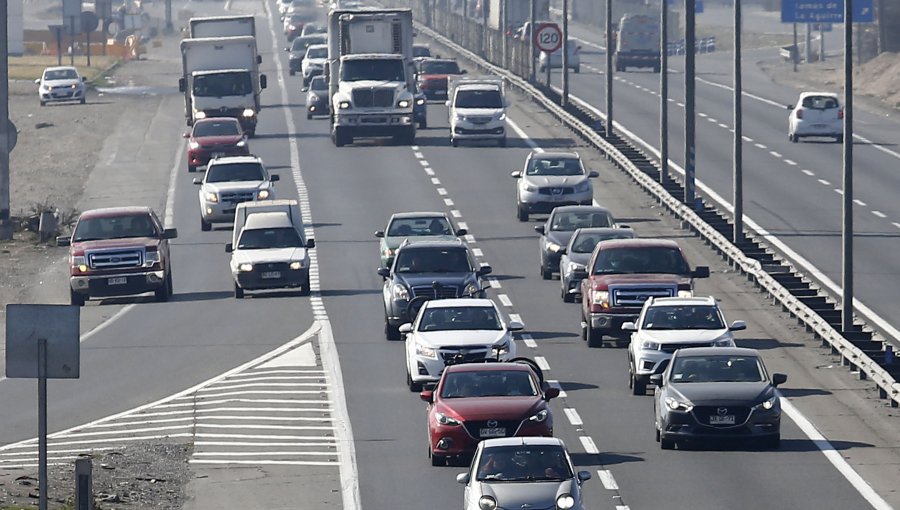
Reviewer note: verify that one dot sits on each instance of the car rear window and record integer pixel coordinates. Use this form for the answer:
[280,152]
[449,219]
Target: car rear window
[820,102]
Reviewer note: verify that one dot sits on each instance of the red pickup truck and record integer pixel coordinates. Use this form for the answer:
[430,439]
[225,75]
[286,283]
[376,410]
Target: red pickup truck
[622,274]
[119,251]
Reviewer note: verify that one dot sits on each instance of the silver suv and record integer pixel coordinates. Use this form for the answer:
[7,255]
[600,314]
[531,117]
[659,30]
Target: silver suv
[552,179]
[668,324]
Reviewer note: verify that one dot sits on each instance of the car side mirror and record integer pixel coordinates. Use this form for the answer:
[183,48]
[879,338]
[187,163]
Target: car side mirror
[197,181]
[484,270]
[229,248]
[516,175]
[584,476]
[185,135]
[379,233]
[593,173]
[63,241]
[461,232]
[551,392]
[462,478]
[84,78]
[384,272]
[405,328]
[778,379]
[656,379]
[738,326]
[515,326]
[629,326]
[427,395]
[310,243]
[274,178]
[170,233]
[540,229]
[562,250]
[37,81]
[700,272]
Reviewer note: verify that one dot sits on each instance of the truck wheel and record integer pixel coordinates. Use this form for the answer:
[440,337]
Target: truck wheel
[251,132]
[666,443]
[238,292]
[423,124]
[594,338]
[76,298]
[205,225]
[162,294]
[43,103]
[337,136]
[83,100]
[454,142]
[638,386]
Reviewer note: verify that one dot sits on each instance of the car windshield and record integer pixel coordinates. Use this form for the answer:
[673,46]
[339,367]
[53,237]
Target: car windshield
[479,99]
[316,52]
[820,102]
[572,220]
[438,260]
[489,383]
[222,84]
[421,51]
[235,172]
[439,67]
[377,70]
[718,368]
[585,242]
[115,227]
[318,83]
[523,463]
[217,128]
[410,227]
[641,261]
[555,166]
[262,238]
[683,317]
[60,74]
[456,318]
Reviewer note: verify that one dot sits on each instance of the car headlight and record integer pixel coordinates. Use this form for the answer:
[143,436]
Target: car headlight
[246,267]
[399,292]
[212,196]
[501,349]
[80,262]
[531,189]
[46,88]
[200,114]
[443,419]
[601,297]
[263,194]
[471,289]
[425,351]
[677,405]
[540,417]
[313,97]
[194,145]
[297,265]
[151,257]
[767,404]
[242,143]
[501,116]
[685,293]
[725,342]
[553,247]
[420,101]
[487,503]
[248,112]
[565,502]
[583,187]
[403,103]
[344,105]
[571,267]
[650,345]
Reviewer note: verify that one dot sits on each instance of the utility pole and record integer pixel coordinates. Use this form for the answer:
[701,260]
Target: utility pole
[169,27]
[5,226]
[530,35]
[795,53]
[503,39]
[564,100]
[847,228]
[808,43]
[609,70]
[690,49]
[664,91]
[821,43]
[738,235]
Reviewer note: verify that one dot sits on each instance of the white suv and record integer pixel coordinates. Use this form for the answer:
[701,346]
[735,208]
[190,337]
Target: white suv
[816,114]
[229,181]
[451,331]
[668,324]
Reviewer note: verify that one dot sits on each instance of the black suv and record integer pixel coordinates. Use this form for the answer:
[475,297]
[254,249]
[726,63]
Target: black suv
[427,270]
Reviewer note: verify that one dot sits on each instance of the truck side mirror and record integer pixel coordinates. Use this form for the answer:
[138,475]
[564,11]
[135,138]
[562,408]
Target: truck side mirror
[262,81]
[447,103]
[181,85]
[259,59]
[539,229]
[310,243]
[170,233]
[379,233]
[229,248]
[384,272]
[700,272]
[274,178]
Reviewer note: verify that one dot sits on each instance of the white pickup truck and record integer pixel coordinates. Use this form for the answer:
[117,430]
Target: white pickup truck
[269,249]
[477,107]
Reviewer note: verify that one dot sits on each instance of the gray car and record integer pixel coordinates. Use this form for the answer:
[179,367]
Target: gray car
[549,180]
[522,472]
[716,393]
[575,256]
[559,227]
[317,97]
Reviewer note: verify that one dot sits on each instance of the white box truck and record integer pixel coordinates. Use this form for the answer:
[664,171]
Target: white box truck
[220,78]
[371,79]
[223,26]
[637,42]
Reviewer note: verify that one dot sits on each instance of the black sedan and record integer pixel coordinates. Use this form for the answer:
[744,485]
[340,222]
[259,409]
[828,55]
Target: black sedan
[717,392]
[559,227]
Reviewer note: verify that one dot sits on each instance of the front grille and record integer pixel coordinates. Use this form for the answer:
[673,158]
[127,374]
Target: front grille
[271,266]
[236,197]
[463,354]
[115,259]
[224,112]
[476,119]
[670,348]
[374,97]
[60,88]
[441,292]
[217,146]
[556,190]
[635,295]
[474,427]
[703,413]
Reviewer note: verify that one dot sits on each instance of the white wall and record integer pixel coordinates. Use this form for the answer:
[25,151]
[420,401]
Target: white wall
[15,27]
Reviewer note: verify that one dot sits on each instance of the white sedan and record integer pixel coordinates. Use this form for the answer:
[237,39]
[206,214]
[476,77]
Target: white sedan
[816,114]
[449,331]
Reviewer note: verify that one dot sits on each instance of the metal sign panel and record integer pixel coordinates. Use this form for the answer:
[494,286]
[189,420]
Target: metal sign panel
[547,37]
[71,8]
[825,11]
[59,325]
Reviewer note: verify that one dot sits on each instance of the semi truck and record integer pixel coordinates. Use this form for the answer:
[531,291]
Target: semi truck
[371,79]
[220,78]
[223,26]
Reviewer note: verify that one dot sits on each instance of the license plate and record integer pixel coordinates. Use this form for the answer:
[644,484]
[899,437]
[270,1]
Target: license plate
[820,126]
[119,280]
[493,432]
[441,92]
[728,419]
[268,275]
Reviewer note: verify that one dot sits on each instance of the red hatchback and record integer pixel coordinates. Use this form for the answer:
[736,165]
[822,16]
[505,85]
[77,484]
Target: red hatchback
[476,401]
[213,137]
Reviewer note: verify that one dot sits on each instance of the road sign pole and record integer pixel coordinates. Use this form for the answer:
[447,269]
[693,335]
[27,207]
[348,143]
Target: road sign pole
[88,36]
[6,231]
[795,53]
[738,234]
[72,41]
[847,227]
[530,34]
[808,43]
[609,70]
[689,104]
[564,100]
[664,91]
[42,424]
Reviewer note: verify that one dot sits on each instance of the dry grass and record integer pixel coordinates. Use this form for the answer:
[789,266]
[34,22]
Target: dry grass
[30,67]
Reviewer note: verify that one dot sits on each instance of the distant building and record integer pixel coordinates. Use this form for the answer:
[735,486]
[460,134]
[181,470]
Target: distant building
[15,24]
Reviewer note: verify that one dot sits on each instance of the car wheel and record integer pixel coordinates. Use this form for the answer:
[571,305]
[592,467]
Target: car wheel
[83,100]
[192,168]
[566,297]
[305,290]
[839,138]
[594,337]
[773,442]
[205,225]
[638,386]
[238,292]
[293,72]
[390,332]
[794,138]
[454,142]
[76,298]
[43,103]
[577,69]
[423,124]
[521,213]
[666,443]
[414,386]
[308,116]
[546,274]
[169,284]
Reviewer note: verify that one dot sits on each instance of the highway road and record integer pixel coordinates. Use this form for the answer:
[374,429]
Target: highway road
[150,351]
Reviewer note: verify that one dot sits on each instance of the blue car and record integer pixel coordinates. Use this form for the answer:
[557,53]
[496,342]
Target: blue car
[420,110]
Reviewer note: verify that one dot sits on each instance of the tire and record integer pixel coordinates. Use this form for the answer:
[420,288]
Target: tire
[656,430]
[192,168]
[638,386]
[340,138]
[413,386]
[521,213]
[656,69]
[577,69]
[437,460]
[238,292]
[292,72]
[390,332]
[305,289]
[205,226]
[83,100]
[564,292]
[666,443]
[501,142]
[546,274]
[454,142]
[308,116]
[594,338]
[76,298]
[794,138]
[43,103]
[162,295]
[584,329]
[423,124]
[169,284]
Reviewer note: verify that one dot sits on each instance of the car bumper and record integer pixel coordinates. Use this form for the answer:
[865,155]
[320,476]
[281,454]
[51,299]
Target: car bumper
[818,129]
[571,281]
[201,157]
[423,370]
[121,284]
[537,202]
[612,322]
[289,279]
[454,441]
[218,212]
[685,426]
[74,95]
[375,124]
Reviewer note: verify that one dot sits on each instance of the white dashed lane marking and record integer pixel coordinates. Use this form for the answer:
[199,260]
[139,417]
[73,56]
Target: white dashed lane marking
[589,445]
[790,162]
[606,478]
[504,299]
[441,191]
[808,172]
[879,214]
[529,341]
[448,202]
[824,182]
[859,202]
[435,181]
[776,154]
[477,252]
[456,214]
[573,417]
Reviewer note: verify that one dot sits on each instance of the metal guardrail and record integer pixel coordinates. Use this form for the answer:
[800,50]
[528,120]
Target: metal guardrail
[851,356]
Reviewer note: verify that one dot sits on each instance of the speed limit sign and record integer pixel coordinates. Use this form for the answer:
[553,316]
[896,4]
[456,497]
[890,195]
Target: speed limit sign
[547,37]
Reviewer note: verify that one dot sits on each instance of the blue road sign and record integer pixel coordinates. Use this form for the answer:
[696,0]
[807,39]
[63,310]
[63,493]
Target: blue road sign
[825,11]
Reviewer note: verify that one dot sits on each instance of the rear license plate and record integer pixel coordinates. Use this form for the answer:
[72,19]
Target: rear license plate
[728,419]
[493,432]
[820,126]
[268,275]
[119,280]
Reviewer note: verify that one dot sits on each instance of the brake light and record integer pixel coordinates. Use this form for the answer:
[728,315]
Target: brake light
[841,113]
[800,113]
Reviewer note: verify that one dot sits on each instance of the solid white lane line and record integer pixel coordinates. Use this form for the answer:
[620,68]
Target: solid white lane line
[589,445]
[524,136]
[248,426]
[879,214]
[264,444]
[264,453]
[573,417]
[504,299]
[242,384]
[607,479]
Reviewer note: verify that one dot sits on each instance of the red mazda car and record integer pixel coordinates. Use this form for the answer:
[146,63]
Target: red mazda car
[475,401]
[213,137]
[432,75]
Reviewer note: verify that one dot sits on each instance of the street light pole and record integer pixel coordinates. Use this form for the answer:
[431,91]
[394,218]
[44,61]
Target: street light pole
[5,227]
[847,230]
[738,234]
[690,48]
[609,70]
[564,100]
[664,92]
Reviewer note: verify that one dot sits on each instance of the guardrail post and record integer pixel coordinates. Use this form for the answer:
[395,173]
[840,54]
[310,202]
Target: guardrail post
[84,499]
[888,356]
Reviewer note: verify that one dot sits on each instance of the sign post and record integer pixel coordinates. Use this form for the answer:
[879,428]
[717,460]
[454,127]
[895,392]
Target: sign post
[42,342]
[547,38]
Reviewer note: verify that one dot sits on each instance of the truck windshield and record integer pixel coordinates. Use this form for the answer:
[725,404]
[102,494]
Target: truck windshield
[479,99]
[234,172]
[114,227]
[260,239]
[224,84]
[376,70]
[641,261]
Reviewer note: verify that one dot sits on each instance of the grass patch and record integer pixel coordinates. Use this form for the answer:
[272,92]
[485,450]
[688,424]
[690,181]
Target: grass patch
[30,67]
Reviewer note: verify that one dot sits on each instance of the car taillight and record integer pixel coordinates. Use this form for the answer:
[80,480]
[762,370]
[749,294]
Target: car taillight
[841,113]
[800,113]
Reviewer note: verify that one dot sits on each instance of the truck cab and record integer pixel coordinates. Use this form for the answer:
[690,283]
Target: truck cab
[477,108]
